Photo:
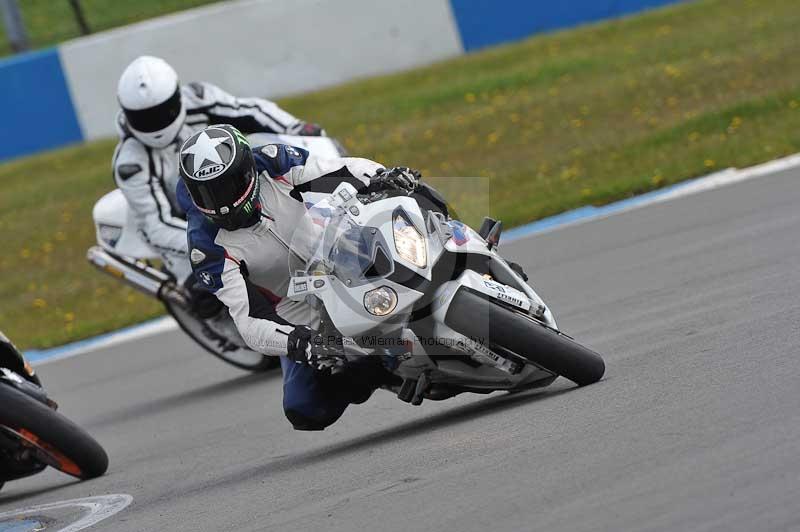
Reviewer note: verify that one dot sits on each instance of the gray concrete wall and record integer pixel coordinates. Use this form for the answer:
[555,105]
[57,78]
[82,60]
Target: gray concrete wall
[262,48]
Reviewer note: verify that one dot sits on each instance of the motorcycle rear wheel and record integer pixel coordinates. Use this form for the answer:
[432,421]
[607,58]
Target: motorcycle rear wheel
[492,323]
[57,440]
[242,358]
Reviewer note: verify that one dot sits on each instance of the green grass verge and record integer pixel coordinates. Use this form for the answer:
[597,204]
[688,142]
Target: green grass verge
[584,116]
[50,22]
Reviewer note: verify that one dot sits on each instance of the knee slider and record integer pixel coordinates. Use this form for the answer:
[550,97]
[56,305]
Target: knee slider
[303,422]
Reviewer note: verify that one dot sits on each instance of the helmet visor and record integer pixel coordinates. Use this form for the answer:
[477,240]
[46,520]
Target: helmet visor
[157,117]
[218,198]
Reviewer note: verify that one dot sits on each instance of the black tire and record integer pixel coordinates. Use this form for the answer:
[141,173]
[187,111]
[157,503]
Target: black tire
[492,323]
[240,358]
[53,432]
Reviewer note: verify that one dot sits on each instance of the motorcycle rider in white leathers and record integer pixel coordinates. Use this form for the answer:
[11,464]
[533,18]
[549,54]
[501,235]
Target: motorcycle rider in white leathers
[244,208]
[157,114]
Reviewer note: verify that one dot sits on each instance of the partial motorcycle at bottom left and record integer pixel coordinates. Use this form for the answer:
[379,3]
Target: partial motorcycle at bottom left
[33,435]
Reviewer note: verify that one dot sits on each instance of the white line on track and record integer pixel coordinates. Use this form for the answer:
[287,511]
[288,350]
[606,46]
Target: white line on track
[129,334]
[99,508]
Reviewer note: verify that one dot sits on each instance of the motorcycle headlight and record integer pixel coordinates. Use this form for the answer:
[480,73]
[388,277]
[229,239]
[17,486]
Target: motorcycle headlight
[409,243]
[381,301]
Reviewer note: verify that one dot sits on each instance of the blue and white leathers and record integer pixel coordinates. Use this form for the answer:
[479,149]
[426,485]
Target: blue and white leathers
[247,269]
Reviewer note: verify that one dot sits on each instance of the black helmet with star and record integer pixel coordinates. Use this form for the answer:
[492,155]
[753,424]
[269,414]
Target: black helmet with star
[219,171]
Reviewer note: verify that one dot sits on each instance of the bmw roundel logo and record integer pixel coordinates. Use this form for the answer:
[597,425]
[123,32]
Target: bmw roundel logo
[206,278]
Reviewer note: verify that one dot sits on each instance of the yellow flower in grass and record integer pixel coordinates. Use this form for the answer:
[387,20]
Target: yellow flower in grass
[794,104]
[69,317]
[694,136]
[657,180]
[39,303]
[569,173]
[492,137]
[469,97]
[672,71]
[710,163]
[25,253]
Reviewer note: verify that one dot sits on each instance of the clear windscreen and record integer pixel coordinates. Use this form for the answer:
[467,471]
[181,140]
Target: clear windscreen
[329,242]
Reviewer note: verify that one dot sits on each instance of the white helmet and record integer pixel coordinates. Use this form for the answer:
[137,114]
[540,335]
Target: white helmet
[150,96]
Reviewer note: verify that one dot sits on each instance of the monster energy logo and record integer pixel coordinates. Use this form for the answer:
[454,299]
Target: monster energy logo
[248,207]
[239,135]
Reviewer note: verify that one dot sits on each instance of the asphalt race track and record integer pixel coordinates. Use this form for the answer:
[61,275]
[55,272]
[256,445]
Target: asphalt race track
[694,302]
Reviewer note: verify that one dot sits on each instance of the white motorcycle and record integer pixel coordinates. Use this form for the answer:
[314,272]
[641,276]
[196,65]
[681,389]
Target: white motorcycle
[123,254]
[390,276]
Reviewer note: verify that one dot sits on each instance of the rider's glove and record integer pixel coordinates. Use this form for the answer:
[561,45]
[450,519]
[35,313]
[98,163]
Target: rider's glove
[307,346]
[398,178]
[307,129]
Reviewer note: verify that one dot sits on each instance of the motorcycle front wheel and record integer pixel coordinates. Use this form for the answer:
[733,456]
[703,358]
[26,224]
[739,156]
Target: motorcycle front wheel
[240,357]
[54,439]
[492,323]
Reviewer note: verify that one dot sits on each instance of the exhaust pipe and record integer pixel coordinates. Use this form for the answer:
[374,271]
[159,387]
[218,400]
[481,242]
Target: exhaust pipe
[137,274]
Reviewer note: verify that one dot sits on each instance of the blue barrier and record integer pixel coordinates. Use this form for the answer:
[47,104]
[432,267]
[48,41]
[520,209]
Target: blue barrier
[39,112]
[37,109]
[487,22]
